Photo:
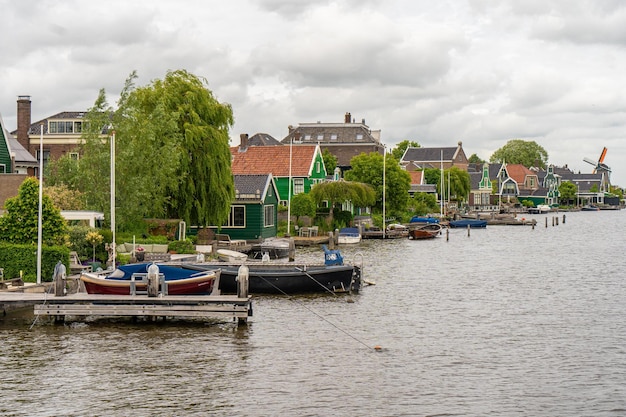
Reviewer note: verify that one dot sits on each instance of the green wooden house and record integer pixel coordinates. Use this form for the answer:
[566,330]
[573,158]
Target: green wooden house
[254,212]
[6,164]
[302,166]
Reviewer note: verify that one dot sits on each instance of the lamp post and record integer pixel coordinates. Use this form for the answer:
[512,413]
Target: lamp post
[384,187]
[39,217]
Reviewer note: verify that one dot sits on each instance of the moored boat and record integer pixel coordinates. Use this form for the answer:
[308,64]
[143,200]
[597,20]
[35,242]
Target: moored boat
[349,235]
[228,255]
[129,279]
[424,230]
[419,219]
[472,223]
[275,248]
[291,278]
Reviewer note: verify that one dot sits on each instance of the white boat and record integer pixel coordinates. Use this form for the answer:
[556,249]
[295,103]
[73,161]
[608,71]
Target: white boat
[231,256]
[349,235]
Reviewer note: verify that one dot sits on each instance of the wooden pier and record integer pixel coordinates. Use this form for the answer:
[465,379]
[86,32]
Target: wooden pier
[103,305]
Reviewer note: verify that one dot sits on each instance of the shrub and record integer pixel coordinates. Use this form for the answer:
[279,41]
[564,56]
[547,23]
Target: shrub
[182,246]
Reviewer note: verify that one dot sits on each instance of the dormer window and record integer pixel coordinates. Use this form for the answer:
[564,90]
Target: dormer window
[320,137]
[56,127]
[307,137]
[359,136]
[333,136]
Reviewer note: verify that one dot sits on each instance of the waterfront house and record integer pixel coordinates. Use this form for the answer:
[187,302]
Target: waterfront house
[301,166]
[254,212]
[16,164]
[418,185]
[481,189]
[344,140]
[415,159]
[61,132]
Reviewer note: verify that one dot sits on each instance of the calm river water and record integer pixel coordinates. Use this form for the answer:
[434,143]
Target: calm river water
[508,321]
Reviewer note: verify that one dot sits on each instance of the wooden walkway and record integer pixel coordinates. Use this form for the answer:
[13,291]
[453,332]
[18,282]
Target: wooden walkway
[102,305]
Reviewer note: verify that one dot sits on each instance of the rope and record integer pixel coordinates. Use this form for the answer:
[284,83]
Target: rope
[45,300]
[317,314]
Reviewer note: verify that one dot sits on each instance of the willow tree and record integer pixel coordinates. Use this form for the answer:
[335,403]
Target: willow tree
[337,192]
[179,118]
[172,156]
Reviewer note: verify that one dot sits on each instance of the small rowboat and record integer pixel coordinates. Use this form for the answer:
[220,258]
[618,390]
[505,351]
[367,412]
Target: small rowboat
[126,278]
[424,230]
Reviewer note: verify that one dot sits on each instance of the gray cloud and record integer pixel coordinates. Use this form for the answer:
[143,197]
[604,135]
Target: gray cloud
[478,71]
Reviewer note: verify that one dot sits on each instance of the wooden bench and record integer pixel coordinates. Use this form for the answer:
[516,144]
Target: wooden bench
[224,240]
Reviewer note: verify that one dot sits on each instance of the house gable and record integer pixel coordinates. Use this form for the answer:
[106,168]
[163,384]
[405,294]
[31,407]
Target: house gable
[304,165]
[344,140]
[446,157]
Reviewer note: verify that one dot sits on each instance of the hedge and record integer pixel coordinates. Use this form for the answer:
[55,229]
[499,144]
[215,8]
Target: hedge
[16,258]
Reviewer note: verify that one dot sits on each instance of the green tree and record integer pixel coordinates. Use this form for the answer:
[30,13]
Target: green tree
[401,147]
[424,203]
[302,204]
[475,159]
[433,176]
[568,192]
[64,198]
[90,175]
[172,154]
[518,151]
[20,222]
[330,161]
[457,184]
[368,169]
[337,192]
[457,179]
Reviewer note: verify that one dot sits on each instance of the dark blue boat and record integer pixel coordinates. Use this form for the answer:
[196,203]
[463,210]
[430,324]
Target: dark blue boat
[472,223]
[418,219]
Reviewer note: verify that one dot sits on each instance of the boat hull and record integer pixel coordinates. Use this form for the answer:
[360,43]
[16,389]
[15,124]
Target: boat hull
[293,279]
[342,240]
[474,224]
[231,256]
[197,282]
[275,248]
[424,231]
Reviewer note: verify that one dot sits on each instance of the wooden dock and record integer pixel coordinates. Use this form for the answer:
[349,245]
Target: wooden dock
[102,305]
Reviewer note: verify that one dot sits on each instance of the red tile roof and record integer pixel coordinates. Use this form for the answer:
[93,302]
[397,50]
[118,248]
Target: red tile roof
[416,177]
[519,172]
[274,160]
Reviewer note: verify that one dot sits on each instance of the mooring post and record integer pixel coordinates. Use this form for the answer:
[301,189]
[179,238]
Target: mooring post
[59,279]
[243,275]
[563,218]
[153,280]
[331,241]
[292,250]
[468,230]
[546,222]
[556,219]
[447,234]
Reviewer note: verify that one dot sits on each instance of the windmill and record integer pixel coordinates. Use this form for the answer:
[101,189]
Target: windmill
[600,166]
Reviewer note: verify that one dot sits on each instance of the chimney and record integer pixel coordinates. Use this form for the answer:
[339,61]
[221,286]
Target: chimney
[347,117]
[244,142]
[23,121]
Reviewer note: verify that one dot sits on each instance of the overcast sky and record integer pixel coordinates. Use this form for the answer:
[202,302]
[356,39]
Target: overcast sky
[436,72]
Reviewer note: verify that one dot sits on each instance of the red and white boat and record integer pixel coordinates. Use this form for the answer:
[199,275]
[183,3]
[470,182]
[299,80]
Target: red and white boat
[131,279]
